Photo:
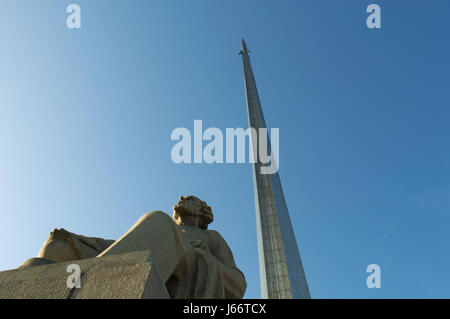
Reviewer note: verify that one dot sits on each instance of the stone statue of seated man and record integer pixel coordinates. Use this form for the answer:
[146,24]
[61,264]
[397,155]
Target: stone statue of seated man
[193,261]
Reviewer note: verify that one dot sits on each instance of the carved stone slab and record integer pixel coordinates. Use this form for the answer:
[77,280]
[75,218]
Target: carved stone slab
[125,276]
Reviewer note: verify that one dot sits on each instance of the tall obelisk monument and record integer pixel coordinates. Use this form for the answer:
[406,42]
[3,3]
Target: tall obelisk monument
[281,270]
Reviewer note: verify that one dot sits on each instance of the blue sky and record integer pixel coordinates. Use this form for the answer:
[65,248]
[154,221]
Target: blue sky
[86,117]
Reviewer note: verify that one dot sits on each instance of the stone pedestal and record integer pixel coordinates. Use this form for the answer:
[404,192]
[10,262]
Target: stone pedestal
[120,276]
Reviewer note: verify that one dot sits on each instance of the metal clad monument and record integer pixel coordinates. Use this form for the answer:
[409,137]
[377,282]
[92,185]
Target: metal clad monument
[281,270]
[161,257]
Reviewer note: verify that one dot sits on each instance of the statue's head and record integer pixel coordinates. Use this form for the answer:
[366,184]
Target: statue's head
[191,207]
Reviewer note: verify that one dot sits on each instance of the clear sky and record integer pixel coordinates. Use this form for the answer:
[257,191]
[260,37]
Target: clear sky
[86,117]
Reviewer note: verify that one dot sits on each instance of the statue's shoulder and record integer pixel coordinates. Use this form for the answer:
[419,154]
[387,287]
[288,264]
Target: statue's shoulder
[214,233]
[216,238]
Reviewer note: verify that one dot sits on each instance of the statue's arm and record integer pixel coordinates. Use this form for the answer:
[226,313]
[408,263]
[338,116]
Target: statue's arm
[234,279]
[220,249]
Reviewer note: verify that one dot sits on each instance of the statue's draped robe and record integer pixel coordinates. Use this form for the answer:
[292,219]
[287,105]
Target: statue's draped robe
[63,245]
[189,269]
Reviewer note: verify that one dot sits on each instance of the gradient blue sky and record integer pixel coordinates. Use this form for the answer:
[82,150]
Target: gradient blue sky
[86,117]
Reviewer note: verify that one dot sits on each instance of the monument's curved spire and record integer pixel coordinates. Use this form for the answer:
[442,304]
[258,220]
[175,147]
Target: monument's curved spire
[281,270]
[244,47]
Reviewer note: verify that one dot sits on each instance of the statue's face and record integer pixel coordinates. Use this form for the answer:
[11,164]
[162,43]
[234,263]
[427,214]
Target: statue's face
[192,207]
